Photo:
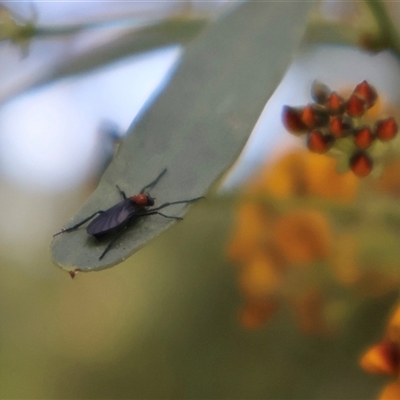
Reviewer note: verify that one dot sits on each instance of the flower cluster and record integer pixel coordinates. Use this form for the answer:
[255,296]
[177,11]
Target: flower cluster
[304,240]
[316,244]
[335,123]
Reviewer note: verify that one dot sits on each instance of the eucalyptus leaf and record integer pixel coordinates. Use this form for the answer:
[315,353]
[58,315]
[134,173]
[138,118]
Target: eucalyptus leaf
[324,32]
[197,126]
[172,31]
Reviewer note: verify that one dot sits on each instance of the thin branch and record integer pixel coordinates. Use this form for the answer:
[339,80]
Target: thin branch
[388,34]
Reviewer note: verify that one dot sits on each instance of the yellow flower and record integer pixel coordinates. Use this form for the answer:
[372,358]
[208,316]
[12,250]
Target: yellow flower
[389,181]
[324,181]
[260,278]
[299,212]
[249,234]
[303,236]
[306,174]
[382,358]
[285,178]
[391,392]
[344,260]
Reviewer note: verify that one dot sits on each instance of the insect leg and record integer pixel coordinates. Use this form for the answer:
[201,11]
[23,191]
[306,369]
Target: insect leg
[122,193]
[176,202]
[163,215]
[152,184]
[72,228]
[107,249]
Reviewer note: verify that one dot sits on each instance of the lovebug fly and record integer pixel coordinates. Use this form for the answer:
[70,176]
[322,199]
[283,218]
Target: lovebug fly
[124,212]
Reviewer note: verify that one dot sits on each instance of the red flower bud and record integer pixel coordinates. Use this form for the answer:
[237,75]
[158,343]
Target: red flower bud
[361,164]
[313,116]
[339,126]
[367,92]
[319,143]
[291,118]
[320,92]
[363,137]
[335,104]
[355,106]
[386,129]
[308,117]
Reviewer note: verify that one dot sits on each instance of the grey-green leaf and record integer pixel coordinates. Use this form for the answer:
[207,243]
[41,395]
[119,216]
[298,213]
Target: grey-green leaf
[171,31]
[197,126]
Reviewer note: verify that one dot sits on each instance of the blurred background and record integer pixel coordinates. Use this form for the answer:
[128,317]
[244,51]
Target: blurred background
[169,321]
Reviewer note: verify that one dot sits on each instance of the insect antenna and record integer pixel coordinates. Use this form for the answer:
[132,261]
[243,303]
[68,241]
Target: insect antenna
[121,192]
[154,183]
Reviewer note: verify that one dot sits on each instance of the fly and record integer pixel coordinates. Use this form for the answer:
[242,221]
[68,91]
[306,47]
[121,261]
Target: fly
[124,212]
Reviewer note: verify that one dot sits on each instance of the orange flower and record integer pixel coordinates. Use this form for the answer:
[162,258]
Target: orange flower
[278,231]
[389,181]
[260,278]
[303,236]
[303,174]
[257,312]
[344,260]
[376,281]
[324,181]
[285,178]
[309,309]
[269,241]
[384,357]
[249,235]
[391,392]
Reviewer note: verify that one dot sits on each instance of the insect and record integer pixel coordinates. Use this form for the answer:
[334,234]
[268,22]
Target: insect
[124,212]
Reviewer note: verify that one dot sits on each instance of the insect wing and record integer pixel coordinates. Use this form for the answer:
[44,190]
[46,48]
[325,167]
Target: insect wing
[112,218]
